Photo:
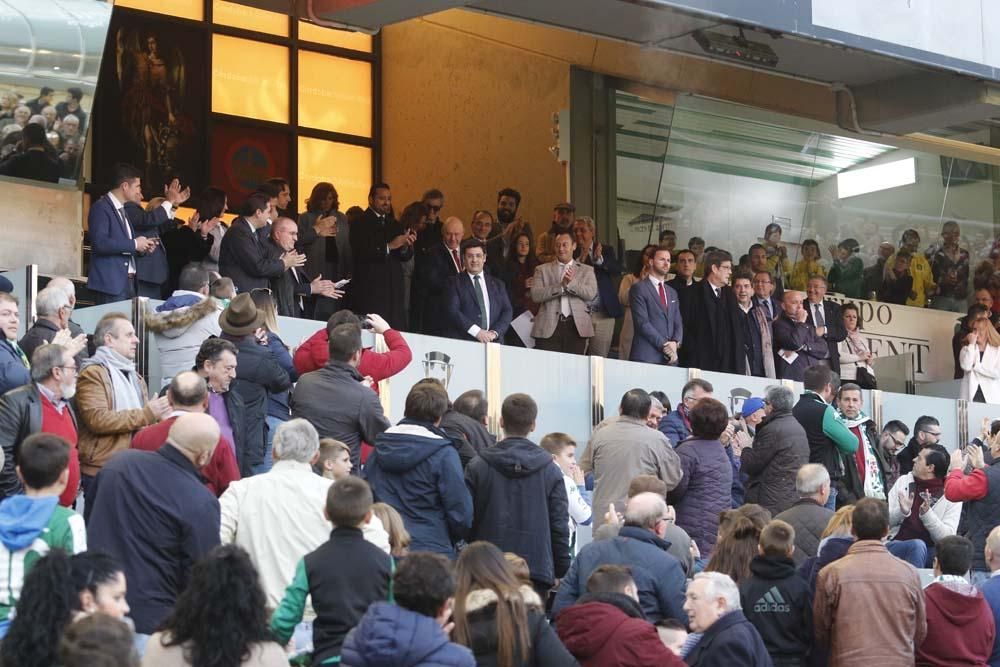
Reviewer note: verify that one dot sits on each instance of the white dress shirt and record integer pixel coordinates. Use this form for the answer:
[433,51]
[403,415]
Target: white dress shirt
[564,307]
[475,328]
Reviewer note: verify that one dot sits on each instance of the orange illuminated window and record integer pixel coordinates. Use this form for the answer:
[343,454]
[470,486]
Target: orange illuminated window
[348,167]
[185,9]
[345,39]
[249,18]
[335,94]
[249,79]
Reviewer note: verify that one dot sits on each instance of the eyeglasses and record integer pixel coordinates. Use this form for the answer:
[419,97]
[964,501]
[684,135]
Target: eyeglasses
[433,209]
[68,368]
[936,434]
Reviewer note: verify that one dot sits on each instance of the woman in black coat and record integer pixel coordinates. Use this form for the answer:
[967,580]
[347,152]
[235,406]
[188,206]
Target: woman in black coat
[502,621]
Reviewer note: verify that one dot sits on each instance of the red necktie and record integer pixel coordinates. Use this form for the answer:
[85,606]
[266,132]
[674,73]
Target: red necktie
[458,262]
[663,295]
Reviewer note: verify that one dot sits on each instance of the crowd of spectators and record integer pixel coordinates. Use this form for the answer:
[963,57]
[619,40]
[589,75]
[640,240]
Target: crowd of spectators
[42,139]
[260,508]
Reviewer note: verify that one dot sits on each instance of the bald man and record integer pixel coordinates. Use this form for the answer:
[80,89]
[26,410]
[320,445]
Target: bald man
[152,512]
[293,287]
[433,271]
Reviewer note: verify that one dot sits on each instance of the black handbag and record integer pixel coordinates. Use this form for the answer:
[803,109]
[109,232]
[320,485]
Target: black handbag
[864,378]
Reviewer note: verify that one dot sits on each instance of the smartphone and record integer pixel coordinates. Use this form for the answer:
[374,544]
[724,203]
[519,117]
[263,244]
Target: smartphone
[341,283]
[913,488]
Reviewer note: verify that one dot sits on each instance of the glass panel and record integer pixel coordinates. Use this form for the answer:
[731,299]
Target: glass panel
[345,107]
[249,18]
[18,278]
[620,376]
[908,408]
[345,39]
[977,413]
[249,79]
[348,167]
[185,9]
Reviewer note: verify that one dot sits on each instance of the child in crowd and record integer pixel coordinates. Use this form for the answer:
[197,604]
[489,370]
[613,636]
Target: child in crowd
[343,576]
[399,538]
[563,451]
[672,633]
[776,600]
[34,523]
[334,460]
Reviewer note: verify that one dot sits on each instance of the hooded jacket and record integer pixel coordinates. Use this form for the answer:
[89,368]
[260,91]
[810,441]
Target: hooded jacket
[960,626]
[30,527]
[180,325]
[778,602]
[780,448]
[608,630]
[415,468]
[520,505]
[390,636]
[658,576]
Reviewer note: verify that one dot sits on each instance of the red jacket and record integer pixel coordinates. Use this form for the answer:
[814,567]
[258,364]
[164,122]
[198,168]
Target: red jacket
[221,469]
[960,627]
[607,631]
[315,352]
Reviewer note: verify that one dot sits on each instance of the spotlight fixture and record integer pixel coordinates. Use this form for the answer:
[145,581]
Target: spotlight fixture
[736,47]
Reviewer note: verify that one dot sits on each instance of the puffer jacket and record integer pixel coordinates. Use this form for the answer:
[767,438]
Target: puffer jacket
[180,325]
[780,448]
[416,469]
[390,636]
[703,492]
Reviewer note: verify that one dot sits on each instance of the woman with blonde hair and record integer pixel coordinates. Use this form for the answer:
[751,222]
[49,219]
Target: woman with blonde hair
[834,543]
[399,538]
[980,359]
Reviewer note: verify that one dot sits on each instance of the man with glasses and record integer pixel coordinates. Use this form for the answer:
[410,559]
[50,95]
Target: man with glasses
[427,239]
[41,406]
[676,425]
[763,290]
[927,431]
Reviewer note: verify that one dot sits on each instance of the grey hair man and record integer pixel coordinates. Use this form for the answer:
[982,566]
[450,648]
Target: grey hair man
[808,516]
[713,605]
[53,384]
[54,309]
[278,516]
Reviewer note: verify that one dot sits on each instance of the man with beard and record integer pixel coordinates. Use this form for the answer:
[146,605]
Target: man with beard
[42,406]
[562,223]
[379,247]
[428,237]
[509,224]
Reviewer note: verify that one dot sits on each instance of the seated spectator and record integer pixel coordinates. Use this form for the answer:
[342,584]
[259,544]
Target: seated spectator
[980,359]
[778,450]
[676,425]
[315,352]
[399,538]
[727,637]
[846,275]
[502,621]
[991,589]
[519,498]
[277,517]
[606,627]
[334,459]
[890,607]
[54,309]
[220,616]
[897,283]
[809,516]
[181,323]
[960,625]
[34,523]
[98,639]
[736,543]
[424,591]
[855,355]
[776,600]
[640,546]
[343,576]
[416,470]
[704,490]
[624,447]
[189,393]
[919,514]
[563,451]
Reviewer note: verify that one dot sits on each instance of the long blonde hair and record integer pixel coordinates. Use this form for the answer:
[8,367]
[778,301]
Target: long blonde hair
[399,538]
[840,524]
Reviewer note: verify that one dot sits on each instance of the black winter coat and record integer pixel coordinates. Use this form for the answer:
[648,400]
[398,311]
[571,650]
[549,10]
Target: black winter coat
[520,505]
[258,374]
[731,641]
[778,602]
[780,448]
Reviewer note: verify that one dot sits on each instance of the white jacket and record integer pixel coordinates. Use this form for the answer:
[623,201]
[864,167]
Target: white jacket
[278,518]
[940,521]
[980,373]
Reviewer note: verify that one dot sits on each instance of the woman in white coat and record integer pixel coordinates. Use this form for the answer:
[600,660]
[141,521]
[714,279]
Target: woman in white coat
[980,359]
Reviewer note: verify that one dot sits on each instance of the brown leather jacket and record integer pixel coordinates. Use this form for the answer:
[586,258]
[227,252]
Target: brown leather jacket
[869,609]
[103,430]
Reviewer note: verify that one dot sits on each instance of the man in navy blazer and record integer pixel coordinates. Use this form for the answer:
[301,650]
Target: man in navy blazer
[114,246]
[605,308]
[152,270]
[763,294]
[464,307]
[656,315]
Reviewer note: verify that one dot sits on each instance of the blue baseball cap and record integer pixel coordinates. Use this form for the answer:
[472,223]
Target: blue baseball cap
[752,405]
[6,285]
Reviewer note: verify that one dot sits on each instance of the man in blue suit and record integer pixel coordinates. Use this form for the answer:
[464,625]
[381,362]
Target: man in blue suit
[605,308]
[476,304]
[152,271]
[114,245]
[656,315]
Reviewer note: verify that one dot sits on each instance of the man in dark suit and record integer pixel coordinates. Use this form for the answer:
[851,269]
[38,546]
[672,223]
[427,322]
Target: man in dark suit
[763,294]
[713,330]
[481,226]
[114,246]
[656,315]
[605,308]
[827,319]
[757,330]
[758,263]
[796,345]
[379,247]
[152,269]
[430,237]
[434,268]
[684,268]
[293,287]
[476,304]
[244,258]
